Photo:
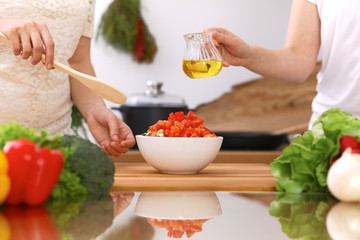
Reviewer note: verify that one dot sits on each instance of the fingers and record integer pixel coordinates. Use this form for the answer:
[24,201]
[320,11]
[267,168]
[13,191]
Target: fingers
[25,46]
[32,39]
[49,47]
[222,36]
[212,29]
[120,147]
[123,143]
[15,44]
[115,149]
[219,37]
[112,151]
[37,48]
[226,64]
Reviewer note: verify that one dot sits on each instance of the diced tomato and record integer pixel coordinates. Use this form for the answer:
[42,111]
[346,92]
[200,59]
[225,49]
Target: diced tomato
[178,116]
[177,228]
[181,125]
[151,134]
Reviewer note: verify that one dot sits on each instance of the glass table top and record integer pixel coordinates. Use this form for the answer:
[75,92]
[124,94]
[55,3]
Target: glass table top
[186,215]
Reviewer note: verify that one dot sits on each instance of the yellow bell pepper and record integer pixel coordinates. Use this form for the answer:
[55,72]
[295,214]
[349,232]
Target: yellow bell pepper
[4,178]
[5,228]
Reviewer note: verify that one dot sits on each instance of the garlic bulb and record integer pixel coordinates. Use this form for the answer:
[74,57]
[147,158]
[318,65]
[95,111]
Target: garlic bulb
[343,178]
[343,221]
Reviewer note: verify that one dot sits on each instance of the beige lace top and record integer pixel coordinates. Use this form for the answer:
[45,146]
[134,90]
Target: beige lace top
[32,95]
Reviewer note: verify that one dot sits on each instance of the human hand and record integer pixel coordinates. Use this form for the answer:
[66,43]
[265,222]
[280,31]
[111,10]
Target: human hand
[233,49]
[113,135]
[29,38]
[121,201]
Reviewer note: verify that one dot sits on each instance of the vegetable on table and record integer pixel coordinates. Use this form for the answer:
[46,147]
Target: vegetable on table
[70,181]
[87,172]
[180,125]
[91,164]
[31,223]
[343,178]
[4,178]
[4,227]
[304,163]
[348,141]
[33,171]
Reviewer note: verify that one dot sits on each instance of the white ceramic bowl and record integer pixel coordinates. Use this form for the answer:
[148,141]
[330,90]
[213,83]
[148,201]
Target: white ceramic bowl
[178,205]
[178,155]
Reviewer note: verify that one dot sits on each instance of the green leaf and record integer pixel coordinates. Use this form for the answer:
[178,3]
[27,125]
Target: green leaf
[303,216]
[304,163]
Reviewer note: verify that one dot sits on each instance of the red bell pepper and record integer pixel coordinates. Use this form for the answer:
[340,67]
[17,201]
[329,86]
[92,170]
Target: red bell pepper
[33,171]
[30,223]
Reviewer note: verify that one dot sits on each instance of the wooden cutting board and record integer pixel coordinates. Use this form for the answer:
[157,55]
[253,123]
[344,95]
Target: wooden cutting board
[137,177]
[134,156]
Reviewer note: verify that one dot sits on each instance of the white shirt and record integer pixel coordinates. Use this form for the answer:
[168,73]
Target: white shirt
[339,78]
[31,95]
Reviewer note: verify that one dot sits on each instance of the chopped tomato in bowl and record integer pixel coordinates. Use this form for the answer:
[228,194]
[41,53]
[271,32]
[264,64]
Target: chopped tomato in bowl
[180,125]
[180,145]
[176,228]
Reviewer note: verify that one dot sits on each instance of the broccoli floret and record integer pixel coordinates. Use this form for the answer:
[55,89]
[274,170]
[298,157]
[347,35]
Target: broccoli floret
[93,166]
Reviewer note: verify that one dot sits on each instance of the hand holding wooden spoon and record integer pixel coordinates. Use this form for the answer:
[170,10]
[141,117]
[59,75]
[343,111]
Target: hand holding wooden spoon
[30,38]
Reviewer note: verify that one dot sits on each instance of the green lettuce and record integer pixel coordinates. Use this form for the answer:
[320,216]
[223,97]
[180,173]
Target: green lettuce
[303,216]
[304,163]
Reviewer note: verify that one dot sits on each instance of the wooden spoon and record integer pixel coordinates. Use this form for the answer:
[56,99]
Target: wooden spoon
[99,87]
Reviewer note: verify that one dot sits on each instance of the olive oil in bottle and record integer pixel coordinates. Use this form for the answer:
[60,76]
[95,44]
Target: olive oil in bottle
[201,68]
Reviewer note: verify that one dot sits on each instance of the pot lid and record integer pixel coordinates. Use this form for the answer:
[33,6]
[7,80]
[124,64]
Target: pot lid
[154,96]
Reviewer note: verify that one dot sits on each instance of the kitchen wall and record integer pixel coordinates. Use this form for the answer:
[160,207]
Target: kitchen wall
[260,22]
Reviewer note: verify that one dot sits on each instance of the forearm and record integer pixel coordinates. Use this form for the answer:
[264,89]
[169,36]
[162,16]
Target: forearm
[283,64]
[112,134]
[297,59]
[85,99]
[82,96]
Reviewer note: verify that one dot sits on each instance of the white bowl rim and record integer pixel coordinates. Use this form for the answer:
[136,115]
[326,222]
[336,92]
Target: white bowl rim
[146,200]
[141,136]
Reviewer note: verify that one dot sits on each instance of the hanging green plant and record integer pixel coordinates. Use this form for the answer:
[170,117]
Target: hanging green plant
[123,27]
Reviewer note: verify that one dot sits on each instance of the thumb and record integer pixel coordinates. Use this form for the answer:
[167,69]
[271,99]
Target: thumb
[221,38]
[114,130]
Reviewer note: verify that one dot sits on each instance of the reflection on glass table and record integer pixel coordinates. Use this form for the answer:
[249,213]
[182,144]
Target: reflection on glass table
[303,216]
[211,216]
[220,215]
[316,216]
[178,212]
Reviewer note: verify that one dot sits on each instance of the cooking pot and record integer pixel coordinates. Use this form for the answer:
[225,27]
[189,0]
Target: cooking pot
[143,110]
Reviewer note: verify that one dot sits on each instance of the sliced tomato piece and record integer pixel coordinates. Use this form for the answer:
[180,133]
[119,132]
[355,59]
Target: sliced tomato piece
[181,125]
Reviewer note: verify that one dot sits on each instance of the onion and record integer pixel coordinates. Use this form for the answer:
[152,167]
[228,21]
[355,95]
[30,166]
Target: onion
[343,177]
[343,221]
